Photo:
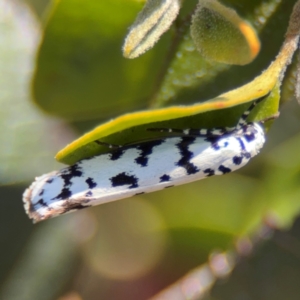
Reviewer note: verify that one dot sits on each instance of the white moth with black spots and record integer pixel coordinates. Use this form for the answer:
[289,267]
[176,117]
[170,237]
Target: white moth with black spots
[146,167]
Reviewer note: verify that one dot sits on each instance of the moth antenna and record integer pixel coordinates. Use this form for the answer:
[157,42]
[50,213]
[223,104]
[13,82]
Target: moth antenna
[243,119]
[213,132]
[168,130]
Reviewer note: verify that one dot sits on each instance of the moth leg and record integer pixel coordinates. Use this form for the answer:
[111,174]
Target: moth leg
[243,119]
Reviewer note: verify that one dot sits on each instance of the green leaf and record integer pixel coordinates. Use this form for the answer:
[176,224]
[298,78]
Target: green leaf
[80,69]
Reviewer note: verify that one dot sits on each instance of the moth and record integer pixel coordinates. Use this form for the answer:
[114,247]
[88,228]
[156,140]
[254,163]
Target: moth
[145,167]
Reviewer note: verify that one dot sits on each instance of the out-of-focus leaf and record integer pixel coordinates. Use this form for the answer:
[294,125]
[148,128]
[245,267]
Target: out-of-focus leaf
[220,34]
[27,138]
[200,205]
[190,78]
[282,181]
[52,251]
[155,18]
[120,257]
[80,69]
[38,6]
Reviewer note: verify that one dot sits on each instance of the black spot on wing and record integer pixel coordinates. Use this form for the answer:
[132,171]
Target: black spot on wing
[41,202]
[224,169]
[237,160]
[186,155]
[75,170]
[65,194]
[241,143]
[124,179]
[249,137]
[75,206]
[164,178]
[215,146]
[143,161]
[89,194]
[146,149]
[69,173]
[91,183]
[118,153]
[209,172]
[214,141]
[41,193]
[50,180]
[247,155]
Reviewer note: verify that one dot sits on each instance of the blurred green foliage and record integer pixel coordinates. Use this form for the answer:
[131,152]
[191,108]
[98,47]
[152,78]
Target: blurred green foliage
[24,129]
[134,248]
[86,76]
